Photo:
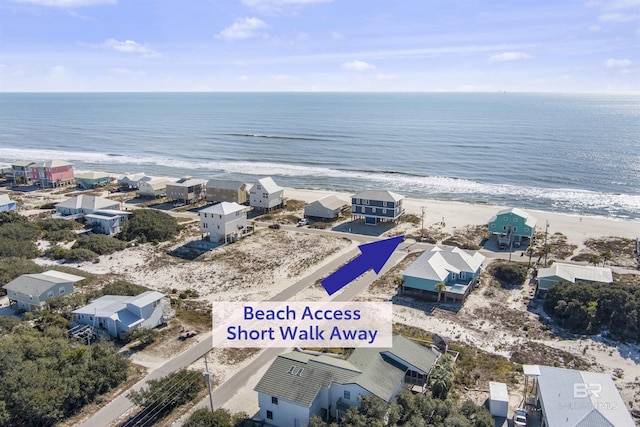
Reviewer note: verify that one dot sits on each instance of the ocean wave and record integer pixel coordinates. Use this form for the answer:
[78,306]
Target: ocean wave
[569,199]
[295,138]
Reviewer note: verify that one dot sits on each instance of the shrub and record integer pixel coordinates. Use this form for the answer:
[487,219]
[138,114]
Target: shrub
[511,273]
[81,254]
[121,287]
[56,252]
[144,336]
[18,248]
[12,267]
[10,217]
[148,225]
[99,244]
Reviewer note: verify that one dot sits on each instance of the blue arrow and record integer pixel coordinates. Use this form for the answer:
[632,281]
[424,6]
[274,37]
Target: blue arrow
[374,255]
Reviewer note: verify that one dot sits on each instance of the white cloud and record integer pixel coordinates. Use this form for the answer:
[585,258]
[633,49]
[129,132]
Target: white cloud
[129,46]
[509,56]
[617,63]
[243,29]
[621,4]
[57,72]
[243,77]
[358,66]
[125,72]
[617,17]
[275,6]
[67,3]
[337,36]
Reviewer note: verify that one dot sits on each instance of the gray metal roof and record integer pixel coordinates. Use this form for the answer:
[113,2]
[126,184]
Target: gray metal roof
[529,220]
[331,202]
[225,184]
[37,284]
[563,407]
[437,263]
[85,201]
[224,208]
[145,298]
[269,185]
[573,272]
[382,195]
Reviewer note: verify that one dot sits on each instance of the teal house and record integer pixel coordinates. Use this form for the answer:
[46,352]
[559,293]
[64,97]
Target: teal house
[455,268]
[512,225]
[90,180]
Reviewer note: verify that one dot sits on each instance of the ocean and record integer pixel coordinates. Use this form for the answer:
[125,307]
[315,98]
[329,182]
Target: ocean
[572,153]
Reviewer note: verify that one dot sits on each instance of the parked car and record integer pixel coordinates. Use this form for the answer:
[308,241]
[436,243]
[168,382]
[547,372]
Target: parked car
[520,418]
[303,222]
[178,205]
[275,226]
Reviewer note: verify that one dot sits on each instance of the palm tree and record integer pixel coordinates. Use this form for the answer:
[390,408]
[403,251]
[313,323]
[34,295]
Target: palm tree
[606,257]
[440,287]
[530,251]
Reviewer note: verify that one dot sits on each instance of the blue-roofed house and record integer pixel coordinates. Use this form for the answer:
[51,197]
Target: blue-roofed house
[512,225]
[6,204]
[374,206]
[107,221]
[300,385]
[116,314]
[455,268]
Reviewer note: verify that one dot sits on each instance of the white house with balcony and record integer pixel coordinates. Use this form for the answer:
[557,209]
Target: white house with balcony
[224,222]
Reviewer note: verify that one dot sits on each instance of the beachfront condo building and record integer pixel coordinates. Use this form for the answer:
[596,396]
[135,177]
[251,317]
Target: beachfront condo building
[54,173]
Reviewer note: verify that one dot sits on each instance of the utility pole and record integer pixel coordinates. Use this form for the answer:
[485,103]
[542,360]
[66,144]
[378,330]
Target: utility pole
[207,375]
[546,248]
[422,208]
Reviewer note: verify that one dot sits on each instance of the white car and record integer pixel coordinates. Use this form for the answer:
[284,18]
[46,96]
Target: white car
[520,418]
[303,222]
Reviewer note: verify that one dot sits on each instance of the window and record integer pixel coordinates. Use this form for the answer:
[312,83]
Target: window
[49,294]
[269,415]
[291,369]
[61,290]
[220,217]
[515,219]
[373,210]
[453,276]
[30,297]
[384,204]
[526,229]
[347,394]
[274,400]
[299,373]
[384,211]
[462,274]
[504,227]
[515,228]
[493,226]
[365,202]
[506,218]
[205,214]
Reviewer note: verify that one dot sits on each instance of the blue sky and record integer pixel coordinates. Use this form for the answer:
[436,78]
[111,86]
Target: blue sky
[320,45]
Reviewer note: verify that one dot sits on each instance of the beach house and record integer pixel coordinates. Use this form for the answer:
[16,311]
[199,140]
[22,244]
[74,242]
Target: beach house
[88,180]
[326,208]
[223,222]
[222,190]
[107,221]
[187,190]
[154,188]
[266,195]
[132,181]
[21,171]
[6,204]
[570,273]
[30,291]
[455,268]
[512,226]
[571,398]
[116,314]
[84,204]
[299,385]
[54,173]
[374,206]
